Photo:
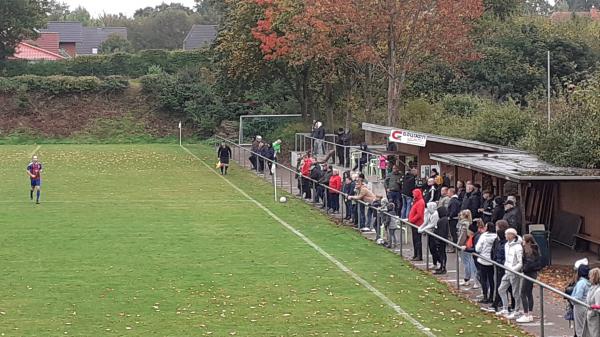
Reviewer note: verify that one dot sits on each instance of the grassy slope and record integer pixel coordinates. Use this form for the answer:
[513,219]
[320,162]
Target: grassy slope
[142,240]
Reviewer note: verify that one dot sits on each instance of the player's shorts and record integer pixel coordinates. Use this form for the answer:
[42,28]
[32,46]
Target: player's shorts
[36,182]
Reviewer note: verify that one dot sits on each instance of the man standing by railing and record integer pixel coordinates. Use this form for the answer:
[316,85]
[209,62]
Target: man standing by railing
[417,217]
[343,152]
[319,135]
[366,196]
[393,186]
[409,183]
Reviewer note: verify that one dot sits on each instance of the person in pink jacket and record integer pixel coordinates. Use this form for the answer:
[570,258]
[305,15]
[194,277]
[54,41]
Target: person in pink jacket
[383,164]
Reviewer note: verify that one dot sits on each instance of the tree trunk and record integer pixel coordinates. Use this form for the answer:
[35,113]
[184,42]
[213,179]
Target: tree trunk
[330,102]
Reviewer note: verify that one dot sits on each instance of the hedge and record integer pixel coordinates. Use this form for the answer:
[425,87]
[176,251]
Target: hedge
[61,85]
[123,64]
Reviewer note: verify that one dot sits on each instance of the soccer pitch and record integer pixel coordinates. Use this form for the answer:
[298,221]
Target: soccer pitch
[146,240]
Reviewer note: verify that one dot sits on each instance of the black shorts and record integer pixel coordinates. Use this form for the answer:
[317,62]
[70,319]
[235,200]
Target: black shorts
[224,161]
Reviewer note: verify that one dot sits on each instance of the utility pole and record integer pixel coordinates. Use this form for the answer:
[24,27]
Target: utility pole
[548,89]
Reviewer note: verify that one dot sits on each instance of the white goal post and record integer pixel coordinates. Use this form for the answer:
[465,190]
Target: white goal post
[241,136]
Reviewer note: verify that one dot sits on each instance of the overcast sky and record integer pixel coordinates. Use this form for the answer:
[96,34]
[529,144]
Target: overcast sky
[128,7]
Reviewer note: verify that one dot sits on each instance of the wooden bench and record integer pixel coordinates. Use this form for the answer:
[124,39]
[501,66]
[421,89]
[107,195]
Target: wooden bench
[590,239]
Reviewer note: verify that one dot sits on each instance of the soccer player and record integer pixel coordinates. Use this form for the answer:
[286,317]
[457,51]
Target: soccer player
[224,154]
[34,170]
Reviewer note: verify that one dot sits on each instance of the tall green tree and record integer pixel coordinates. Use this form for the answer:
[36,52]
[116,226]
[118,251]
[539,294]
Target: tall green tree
[19,20]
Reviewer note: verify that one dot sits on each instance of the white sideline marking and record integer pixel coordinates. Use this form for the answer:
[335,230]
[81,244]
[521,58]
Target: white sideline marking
[340,265]
[35,151]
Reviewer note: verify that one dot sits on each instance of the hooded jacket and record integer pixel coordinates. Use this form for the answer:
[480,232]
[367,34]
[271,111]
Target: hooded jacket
[498,253]
[417,212]
[514,218]
[498,211]
[484,247]
[335,183]
[513,250]
[473,203]
[463,228]
[393,182]
[431,218]
[443,223]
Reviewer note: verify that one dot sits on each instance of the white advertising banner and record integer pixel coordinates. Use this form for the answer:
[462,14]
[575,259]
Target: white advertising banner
[408,137]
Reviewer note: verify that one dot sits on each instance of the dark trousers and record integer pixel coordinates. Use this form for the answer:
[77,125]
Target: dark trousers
[453,230]
[487,281]
[349,209]
[432,245]
[334,202]
[252,160]
[527,293]
[417,245]
[360,164]
[396,199]
[261,164]
[365,219]
[341,155]
[306,188]
[441,253]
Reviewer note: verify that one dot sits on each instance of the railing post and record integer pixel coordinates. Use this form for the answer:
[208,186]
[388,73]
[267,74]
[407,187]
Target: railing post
[296,142]
[458,252]
[542,332]
[426,252]
[291,180]
[401,237]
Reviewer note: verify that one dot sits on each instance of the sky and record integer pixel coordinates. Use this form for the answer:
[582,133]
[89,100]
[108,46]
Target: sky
[127,7]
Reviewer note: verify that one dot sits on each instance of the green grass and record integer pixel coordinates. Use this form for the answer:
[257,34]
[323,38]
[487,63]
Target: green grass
[144,240]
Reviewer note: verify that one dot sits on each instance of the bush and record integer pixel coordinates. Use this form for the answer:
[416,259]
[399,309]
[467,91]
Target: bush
[61,85]
[461,105]
[123,64]
[503,124]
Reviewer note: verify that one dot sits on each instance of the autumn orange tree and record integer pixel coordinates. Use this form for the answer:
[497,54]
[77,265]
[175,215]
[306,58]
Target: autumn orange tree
[396,36]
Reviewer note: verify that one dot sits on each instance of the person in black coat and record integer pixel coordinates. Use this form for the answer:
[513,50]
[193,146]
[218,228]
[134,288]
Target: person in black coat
[498,211]
[453,210]
[269,153]
[442,231]
[409,183]
[343,151]
[472,200]
[316,173]
[224,155]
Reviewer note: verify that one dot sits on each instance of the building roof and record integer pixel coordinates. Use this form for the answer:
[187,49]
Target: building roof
[47,41]
[386,130]
[515,166]
[593,14]
[94,37]
[200,36]
[26,51]
[69,31]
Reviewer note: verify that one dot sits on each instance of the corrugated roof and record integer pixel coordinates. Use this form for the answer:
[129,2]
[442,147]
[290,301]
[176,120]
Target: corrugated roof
[515,166]
[443,139]
[94,37]
[200,36]
[70,31]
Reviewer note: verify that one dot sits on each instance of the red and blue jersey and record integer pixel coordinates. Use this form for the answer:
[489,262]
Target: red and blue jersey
[35,170]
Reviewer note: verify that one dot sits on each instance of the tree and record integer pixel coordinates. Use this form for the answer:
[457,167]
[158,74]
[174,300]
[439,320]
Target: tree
[80,14]
[115,44]
[396,36]
[503,9]
[165,29]
[19,20]
[57,11]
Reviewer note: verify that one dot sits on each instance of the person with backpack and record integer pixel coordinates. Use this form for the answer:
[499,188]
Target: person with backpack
[532,264]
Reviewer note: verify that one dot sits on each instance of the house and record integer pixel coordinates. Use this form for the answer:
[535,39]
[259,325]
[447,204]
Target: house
[70,34]
[45,47]
[200,36]
[94,37]
[593,14]
[74,39]
[563,199]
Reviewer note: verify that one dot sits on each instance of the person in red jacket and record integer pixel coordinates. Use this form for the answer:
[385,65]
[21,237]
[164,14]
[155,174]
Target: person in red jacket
[416,217]
[305,167]
[335,185]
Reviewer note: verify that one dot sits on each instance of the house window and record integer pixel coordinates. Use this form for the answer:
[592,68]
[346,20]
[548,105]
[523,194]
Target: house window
[94,51]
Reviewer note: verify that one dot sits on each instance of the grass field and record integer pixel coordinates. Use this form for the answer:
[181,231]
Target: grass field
[145,240]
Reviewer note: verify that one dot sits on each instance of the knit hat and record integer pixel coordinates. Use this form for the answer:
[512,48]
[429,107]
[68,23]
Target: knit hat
[511,231]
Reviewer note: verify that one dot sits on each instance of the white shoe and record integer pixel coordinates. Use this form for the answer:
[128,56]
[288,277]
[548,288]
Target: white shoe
[514,315]
[475,285]
[465,283]
[502,312]
[525,319]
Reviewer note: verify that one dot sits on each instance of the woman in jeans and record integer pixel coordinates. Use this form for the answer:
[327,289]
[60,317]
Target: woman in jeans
[531,265]
[464,237]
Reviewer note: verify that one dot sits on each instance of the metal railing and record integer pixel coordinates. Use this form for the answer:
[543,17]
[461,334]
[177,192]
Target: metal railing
[367,210]
[304,142]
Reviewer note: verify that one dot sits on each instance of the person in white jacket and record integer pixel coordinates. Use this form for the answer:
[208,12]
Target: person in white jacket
[484,248]
[514,261]
[431,220]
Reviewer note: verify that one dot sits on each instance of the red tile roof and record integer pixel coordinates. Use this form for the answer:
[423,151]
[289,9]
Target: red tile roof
[594,14]
[26,51]
[47,41]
